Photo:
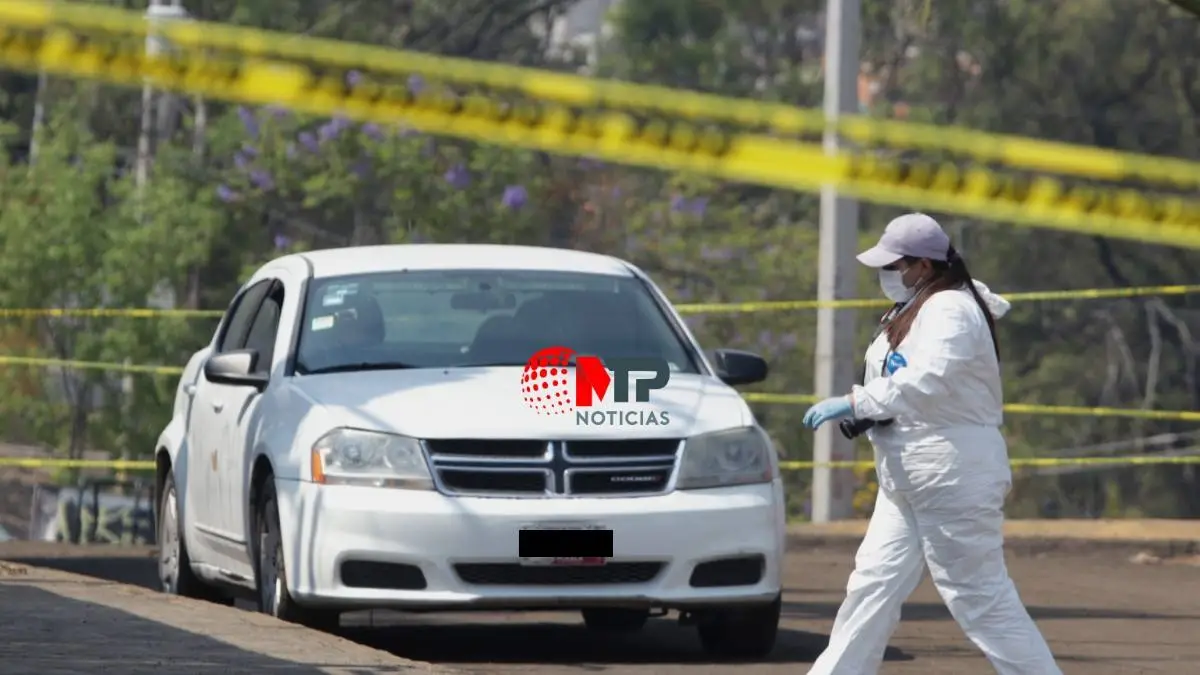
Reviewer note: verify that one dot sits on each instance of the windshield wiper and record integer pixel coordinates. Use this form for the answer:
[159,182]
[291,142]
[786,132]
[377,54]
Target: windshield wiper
[352,367]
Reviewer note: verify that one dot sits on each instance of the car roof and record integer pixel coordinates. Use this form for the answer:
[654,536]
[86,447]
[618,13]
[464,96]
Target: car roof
[370,259]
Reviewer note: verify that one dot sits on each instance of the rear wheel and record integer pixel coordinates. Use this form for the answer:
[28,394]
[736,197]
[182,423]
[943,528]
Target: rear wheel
[271,578]
[174,565]
[615,620]
[740,632]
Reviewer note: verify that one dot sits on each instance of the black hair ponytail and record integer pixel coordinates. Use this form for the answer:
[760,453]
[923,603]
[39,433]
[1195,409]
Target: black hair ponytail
[948,274]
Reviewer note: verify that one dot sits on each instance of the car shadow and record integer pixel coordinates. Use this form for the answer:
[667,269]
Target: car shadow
[460,639]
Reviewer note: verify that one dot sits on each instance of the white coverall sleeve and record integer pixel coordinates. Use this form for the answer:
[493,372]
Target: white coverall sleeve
[940,343]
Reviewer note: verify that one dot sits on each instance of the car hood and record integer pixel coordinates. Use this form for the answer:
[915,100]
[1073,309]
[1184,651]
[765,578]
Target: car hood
[489,403]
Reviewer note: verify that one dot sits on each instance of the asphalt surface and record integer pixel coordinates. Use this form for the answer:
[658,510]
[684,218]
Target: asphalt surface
[1101,612]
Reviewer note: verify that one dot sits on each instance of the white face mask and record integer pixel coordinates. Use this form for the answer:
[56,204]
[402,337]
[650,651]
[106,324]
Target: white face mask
[893,286]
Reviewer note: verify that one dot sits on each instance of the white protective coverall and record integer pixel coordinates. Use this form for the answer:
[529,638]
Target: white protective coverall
[943,477]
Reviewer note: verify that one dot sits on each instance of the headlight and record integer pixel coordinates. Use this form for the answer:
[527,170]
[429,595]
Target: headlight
[734,457]
[356,457]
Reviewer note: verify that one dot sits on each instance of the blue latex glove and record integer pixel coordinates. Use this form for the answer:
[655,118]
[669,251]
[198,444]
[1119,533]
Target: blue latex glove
[827,410]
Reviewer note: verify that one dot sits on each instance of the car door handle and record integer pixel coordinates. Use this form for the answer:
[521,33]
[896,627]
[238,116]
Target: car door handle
[218,406]
[189,389]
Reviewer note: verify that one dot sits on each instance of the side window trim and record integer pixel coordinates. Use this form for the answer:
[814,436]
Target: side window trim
[276,288]
[233,310]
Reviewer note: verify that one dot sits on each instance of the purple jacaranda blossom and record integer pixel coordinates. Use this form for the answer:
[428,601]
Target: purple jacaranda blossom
[278,112]
[407,132]
[515,196]
[372,131]
[262,179]
[226,194]
[240,161]
[695,206]
[328,132]
[309,141]
[282,241]
[361,167]
[249,121]
[353,78]
[458,176]
[249,150]
[416,84]
[722,254]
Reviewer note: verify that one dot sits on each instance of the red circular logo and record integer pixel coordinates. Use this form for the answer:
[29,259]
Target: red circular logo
[545,381]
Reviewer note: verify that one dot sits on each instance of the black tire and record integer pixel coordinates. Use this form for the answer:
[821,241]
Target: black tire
[270,576]
[175,573]
[615,620]
[740,632]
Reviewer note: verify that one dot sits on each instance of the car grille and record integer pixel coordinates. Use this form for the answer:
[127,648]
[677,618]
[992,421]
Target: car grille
[511,574]
[534,468]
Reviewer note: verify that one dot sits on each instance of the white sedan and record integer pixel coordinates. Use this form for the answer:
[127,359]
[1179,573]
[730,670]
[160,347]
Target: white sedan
[367,429]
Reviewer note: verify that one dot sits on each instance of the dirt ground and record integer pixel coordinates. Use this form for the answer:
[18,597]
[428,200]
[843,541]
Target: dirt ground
[1102,613]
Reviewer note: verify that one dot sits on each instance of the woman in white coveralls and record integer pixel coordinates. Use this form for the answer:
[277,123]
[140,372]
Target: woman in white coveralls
[933,371]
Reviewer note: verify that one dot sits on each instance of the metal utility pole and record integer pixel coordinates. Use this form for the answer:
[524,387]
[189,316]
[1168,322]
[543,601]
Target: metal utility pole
[837,351]
[158,11]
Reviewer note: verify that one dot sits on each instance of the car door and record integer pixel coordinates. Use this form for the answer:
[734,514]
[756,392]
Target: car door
[206,432]
[237,451]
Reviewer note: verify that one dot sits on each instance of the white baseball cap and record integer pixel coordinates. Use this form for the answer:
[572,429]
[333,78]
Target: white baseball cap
[913,234]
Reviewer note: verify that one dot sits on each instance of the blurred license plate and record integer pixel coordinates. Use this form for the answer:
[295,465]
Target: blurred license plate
[564,562]
[565,545]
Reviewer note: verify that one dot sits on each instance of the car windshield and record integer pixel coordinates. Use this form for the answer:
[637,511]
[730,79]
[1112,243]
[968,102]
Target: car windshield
[466,318]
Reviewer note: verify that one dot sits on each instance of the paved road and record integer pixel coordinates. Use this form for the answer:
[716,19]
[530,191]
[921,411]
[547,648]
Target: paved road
[1101,613]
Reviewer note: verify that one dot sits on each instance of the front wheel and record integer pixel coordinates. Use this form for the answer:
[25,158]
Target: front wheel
[174,564]
[271,577]
[740,632]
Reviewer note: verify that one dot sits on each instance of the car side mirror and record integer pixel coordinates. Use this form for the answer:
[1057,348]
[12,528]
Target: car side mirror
[236,368]
[736,367]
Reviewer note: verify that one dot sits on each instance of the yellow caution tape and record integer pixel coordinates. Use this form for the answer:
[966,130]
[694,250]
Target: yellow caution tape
[685,308]
[146,465]
[248,44]
[1016,408]
[753,397]
[28,43]
[115,464]
[1040,462]
[1042,296]
[125,312]
[88,365]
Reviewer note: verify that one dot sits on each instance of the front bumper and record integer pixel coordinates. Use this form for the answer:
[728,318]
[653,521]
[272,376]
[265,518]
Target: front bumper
[359,547]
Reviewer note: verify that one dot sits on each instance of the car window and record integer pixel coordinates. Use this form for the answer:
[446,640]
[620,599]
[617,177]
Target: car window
[463,318]
[239,317]
[263,329]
